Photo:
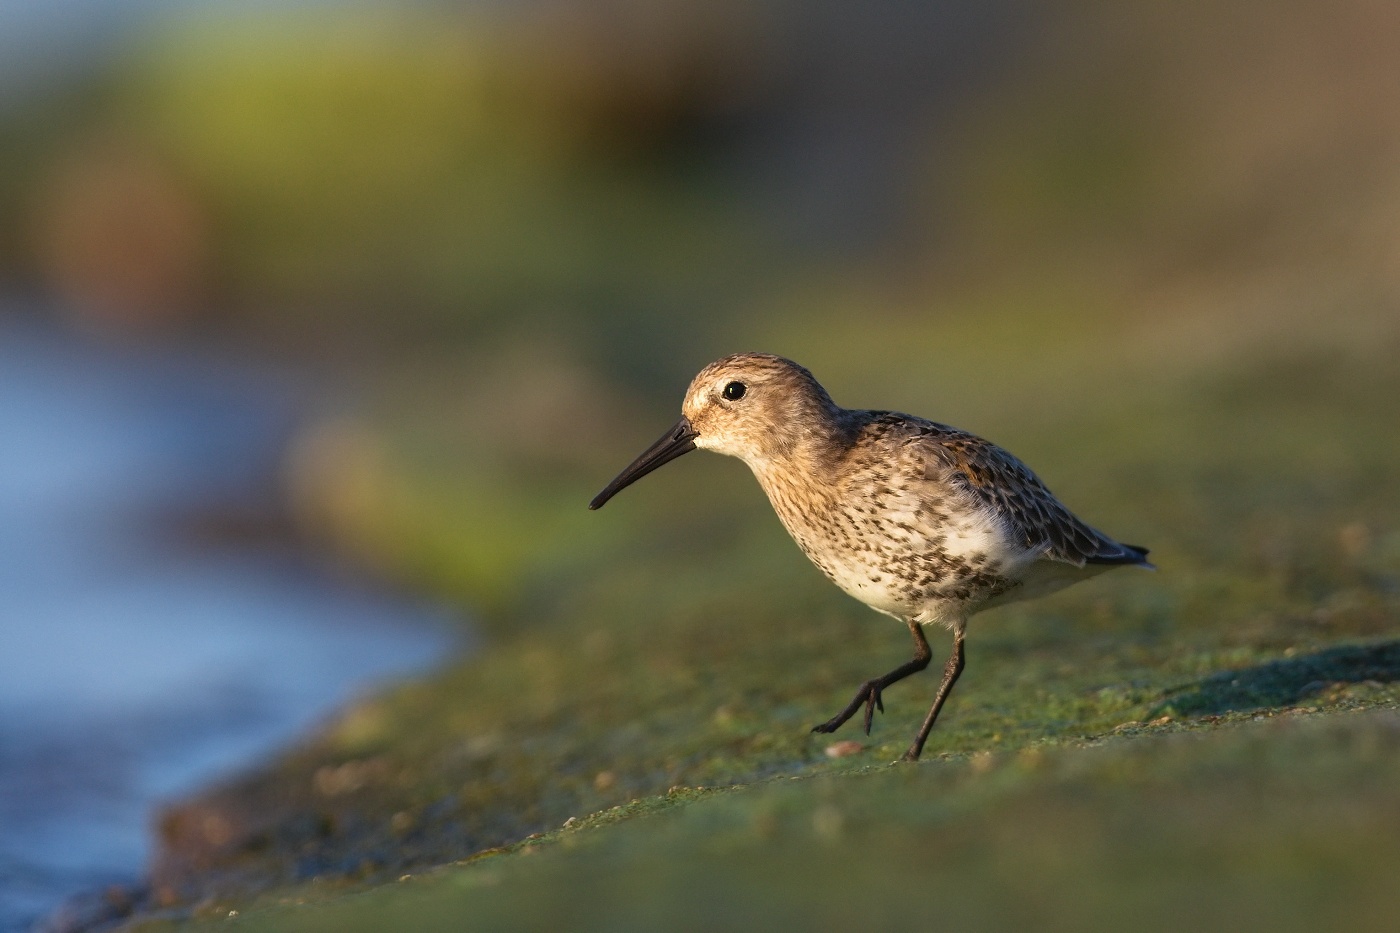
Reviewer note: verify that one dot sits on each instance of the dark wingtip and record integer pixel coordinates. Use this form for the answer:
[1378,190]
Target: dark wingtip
[1142,553]
[1131,555]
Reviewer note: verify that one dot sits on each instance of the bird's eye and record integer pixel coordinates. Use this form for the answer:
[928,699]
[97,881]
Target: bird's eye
[735,391]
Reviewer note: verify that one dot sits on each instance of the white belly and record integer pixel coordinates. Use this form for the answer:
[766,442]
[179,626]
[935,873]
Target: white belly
[873,586]
[902,567]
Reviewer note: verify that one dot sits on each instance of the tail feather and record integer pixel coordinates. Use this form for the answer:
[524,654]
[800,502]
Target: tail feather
[1130,554]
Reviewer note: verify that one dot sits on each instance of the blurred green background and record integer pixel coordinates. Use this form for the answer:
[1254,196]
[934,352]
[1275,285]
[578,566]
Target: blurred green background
[1153,248]
[518,229]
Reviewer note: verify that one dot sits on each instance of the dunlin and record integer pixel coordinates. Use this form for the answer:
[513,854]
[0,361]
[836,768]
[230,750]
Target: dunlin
[917,520]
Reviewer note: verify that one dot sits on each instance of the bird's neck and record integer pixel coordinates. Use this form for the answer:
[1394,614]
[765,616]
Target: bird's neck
[809,447]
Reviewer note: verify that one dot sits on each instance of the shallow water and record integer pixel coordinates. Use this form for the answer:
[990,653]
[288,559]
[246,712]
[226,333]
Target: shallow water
[135,666]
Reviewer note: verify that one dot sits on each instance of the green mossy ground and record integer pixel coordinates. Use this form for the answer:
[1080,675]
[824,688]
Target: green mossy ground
[1160,830]
[1098,761]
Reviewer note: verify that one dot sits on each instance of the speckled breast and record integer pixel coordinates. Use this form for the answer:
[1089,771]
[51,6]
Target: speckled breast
[895,552]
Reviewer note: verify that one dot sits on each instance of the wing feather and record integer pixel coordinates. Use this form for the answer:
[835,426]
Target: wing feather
[1007,486]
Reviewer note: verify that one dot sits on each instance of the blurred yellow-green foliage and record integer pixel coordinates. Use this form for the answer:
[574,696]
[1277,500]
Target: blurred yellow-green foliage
[404,170]
[512,233]
[638,180]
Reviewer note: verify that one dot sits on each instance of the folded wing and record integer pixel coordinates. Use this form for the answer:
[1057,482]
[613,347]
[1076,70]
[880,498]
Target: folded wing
[1006,485]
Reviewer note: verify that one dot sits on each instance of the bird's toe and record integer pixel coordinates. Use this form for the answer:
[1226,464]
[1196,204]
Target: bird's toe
[873,700]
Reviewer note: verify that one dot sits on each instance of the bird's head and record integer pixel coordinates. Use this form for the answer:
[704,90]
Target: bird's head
[754,406]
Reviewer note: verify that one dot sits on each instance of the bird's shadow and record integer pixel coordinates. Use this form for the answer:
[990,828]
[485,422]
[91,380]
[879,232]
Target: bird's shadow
[1284,682]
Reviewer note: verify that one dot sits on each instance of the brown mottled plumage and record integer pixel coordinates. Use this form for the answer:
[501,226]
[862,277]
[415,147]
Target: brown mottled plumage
[915,519]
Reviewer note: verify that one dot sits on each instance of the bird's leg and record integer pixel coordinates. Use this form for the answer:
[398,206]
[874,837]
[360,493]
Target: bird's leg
[869,692]
[951,670]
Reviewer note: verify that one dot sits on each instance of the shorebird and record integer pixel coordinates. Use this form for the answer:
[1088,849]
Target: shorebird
[918,520]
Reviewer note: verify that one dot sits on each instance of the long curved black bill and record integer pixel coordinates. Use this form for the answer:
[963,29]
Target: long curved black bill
[675,442]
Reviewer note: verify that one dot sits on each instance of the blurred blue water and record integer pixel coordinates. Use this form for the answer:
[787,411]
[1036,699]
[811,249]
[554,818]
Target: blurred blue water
[133,665]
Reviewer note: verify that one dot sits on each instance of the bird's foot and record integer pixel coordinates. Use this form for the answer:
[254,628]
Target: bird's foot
[868,696]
